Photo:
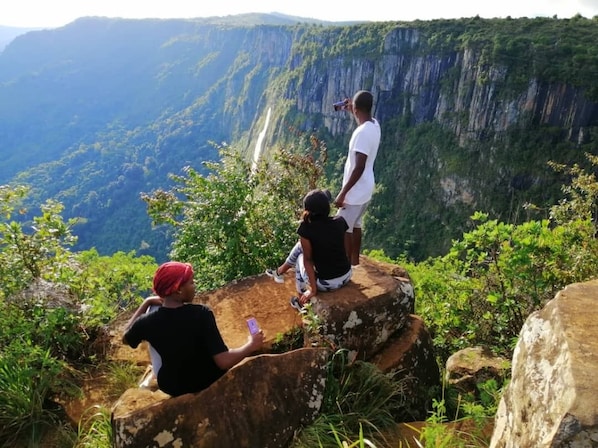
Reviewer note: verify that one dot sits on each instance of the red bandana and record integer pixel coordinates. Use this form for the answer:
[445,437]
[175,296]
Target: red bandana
[170,276]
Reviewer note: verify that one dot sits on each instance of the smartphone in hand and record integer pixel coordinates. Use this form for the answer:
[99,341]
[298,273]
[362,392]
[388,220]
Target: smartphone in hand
[253,326]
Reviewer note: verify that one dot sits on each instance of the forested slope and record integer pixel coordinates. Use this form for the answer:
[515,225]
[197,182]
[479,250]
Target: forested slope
[101,110]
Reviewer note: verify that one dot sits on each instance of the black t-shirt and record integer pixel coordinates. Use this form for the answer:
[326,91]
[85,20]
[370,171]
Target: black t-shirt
[186,338]
[327,238]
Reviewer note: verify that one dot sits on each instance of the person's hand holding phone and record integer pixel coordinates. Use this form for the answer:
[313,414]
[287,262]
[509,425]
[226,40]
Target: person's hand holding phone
[256,335]
[253,326]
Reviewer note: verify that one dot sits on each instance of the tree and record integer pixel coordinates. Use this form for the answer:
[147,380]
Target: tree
[239,219]
[40,252]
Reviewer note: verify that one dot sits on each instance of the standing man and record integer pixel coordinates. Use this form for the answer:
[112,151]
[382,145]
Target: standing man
[358,176]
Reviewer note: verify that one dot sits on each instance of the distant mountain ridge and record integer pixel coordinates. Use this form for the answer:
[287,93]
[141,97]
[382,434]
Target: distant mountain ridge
[98,111]
[8,33]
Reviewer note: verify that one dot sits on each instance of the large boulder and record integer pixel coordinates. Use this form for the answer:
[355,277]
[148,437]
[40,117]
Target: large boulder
[473,366]
[360,316]
[551,399]
[363,315]
[409,354]
[48,295]
[258,403]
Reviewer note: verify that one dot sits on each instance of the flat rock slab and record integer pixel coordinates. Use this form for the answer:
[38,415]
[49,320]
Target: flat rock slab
[365,312]
[360,316]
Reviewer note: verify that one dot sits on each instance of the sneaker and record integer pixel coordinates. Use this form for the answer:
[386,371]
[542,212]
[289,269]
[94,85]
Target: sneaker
[278,278]
[295,303]
[149,381]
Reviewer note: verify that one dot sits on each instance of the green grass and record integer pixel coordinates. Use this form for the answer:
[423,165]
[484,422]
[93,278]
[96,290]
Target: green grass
[360,402]
[95,429]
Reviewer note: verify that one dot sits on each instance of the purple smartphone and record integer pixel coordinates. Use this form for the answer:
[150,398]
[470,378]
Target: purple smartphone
[253,325]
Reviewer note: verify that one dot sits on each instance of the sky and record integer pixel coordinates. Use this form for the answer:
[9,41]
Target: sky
[56,13]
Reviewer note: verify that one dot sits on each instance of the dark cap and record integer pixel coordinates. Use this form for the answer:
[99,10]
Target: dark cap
[317,202]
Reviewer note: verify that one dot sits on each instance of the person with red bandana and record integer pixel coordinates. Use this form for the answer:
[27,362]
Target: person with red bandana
[184,334]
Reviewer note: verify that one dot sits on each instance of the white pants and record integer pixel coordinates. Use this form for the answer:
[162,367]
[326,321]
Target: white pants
[155,357]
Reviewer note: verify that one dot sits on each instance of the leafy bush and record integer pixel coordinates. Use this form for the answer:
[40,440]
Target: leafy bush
[40,253]
[54,305]
[240,218]
[491,280]
[107,285]
[495,276]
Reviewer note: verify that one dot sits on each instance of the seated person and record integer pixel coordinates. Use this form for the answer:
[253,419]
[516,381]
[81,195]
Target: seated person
[319,257]
[185,335]
[149,305]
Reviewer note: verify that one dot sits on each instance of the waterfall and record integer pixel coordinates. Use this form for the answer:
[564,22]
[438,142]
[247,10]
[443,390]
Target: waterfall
[257,152]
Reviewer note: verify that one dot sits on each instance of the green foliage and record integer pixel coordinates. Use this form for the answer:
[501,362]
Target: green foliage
[28,375]
[483,289]
[361,442]
[54,331]
[408,214]
[464,423]
[39,253]
[483,409]
[59,330]
[289,341]
[341,42]
[442,431]
[108,285]
[581,195]
[359,401]
[54,306]
[95,429]
[238,219]
[121,375]
[527,47]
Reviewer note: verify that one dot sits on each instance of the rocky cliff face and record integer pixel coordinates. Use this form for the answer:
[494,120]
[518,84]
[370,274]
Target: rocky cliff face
[457,89]
[470,131]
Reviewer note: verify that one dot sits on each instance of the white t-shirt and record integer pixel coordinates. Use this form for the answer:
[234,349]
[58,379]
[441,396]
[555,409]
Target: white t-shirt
[365,139]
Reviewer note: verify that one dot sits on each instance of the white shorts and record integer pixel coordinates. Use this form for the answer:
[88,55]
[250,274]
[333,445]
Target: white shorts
[353,214]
